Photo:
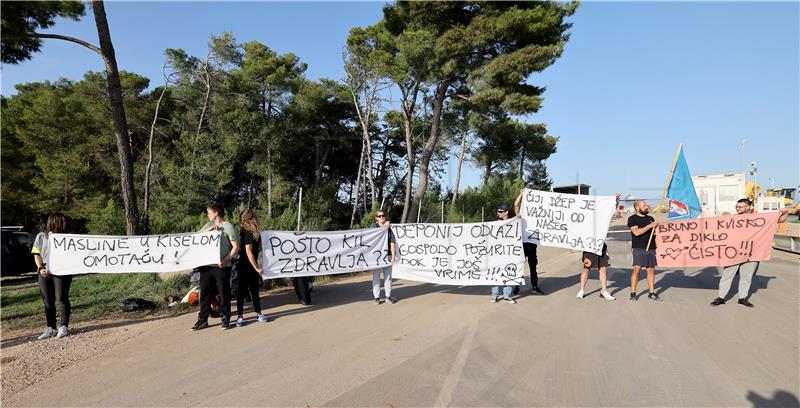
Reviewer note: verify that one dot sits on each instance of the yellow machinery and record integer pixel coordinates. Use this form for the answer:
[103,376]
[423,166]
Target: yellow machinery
[788,195]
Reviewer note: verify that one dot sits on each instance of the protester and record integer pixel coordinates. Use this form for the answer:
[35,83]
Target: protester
[381,221]
[55,289]
[247,266]
[601,262]
[529,249]
[746,270]
[218,275]
[644,255]
[502,214]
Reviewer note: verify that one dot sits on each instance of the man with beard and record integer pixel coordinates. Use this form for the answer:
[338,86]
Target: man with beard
[644,254]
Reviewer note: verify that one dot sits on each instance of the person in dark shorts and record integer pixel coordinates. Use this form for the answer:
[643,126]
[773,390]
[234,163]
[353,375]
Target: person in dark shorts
[644,255]
[601,262]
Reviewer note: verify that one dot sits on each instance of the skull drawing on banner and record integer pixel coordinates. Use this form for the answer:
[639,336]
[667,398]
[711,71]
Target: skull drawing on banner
[511,270]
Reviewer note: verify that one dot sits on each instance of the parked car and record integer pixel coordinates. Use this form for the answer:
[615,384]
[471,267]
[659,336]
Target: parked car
[16,251]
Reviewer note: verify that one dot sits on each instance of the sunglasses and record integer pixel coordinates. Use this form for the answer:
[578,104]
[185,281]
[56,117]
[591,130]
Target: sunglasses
[501,211]
[379,216]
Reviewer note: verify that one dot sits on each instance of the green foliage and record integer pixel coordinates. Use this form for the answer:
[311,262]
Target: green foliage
[107,221]
[92,297]
[21,20]
[242,125]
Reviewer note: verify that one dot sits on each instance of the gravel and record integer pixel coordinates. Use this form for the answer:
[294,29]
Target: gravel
[27,363]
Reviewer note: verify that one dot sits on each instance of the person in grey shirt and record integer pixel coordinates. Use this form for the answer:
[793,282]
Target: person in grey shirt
[219,274]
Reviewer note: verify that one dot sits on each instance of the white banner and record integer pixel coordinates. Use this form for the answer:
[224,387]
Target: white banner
[71,254]
[485,253]
[292,254]
[571,221]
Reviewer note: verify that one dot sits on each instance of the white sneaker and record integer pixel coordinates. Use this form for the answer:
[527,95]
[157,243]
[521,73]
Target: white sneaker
[580,294]
[262,318]
[607,296]
[63,331]
[48,332]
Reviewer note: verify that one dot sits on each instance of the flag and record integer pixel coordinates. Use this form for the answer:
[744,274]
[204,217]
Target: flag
[683,202]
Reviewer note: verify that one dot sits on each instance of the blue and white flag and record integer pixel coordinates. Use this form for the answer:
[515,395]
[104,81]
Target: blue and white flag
[683,202]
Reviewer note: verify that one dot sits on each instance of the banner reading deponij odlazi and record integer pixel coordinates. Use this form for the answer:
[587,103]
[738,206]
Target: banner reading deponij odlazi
[485,253]
[573,221]
[716,241]
[291,254]
[72,254]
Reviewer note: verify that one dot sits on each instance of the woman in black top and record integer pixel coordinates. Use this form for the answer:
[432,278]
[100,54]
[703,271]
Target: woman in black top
[247,266]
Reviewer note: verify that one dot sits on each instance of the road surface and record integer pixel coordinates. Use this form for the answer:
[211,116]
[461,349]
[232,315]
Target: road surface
[449,346]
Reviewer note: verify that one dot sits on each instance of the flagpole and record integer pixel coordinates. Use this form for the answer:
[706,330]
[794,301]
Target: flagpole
[664,196]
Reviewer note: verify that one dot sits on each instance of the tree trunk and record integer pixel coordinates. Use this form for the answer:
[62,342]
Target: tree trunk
[409,103]
[120,122]
[460,160]
[430,145]
[149,168]
[358,186]
[202,117]
[269,182]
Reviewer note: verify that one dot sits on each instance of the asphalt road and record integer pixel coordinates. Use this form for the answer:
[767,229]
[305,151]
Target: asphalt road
[449,346]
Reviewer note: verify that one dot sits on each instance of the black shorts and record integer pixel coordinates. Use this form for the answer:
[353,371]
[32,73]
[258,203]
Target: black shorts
[595,261]
[644,258]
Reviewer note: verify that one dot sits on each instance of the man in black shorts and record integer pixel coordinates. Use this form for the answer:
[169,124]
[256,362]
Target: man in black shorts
[601,262]
[641,226]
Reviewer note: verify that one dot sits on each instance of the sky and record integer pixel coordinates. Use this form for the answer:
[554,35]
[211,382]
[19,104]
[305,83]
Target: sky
[636,78]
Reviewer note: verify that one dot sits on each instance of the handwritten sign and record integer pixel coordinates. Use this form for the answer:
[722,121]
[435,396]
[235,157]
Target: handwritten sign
[72,254]
[573,221]
[292,254]
[487,253]
[716,241]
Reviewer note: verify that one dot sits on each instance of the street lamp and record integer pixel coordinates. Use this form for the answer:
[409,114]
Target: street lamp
[754,173]
[741,159]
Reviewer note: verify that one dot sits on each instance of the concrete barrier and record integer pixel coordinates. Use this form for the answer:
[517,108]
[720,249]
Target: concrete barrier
[787,237]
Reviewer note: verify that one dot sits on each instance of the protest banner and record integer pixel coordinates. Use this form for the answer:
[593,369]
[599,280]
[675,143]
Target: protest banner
[293,254]
[573,221]
[716,241]
[485,253]
[72,254]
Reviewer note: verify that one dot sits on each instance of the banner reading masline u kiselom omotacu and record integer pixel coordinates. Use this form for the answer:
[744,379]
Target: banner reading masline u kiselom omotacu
[485,253]
[71,254]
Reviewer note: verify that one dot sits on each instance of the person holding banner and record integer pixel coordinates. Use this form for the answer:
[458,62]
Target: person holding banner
[590,259]
[502,214]
[644,254]
[529,249]
[218,275]
[247,267]
[381,221]
[746,270]
[55,289]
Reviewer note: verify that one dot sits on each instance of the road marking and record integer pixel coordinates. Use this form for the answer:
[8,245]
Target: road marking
[450,382]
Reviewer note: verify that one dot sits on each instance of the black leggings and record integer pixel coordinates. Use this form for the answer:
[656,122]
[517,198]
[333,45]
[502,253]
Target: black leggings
[55,289]
[214,277]
[249,282]
[530,253]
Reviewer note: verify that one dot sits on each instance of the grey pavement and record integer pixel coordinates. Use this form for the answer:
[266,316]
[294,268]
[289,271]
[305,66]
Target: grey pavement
[449,346]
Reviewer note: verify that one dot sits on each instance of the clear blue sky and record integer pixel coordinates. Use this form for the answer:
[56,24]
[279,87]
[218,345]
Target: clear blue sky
[635,79]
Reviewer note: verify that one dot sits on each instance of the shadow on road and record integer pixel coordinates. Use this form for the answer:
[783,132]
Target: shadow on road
[779,399]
